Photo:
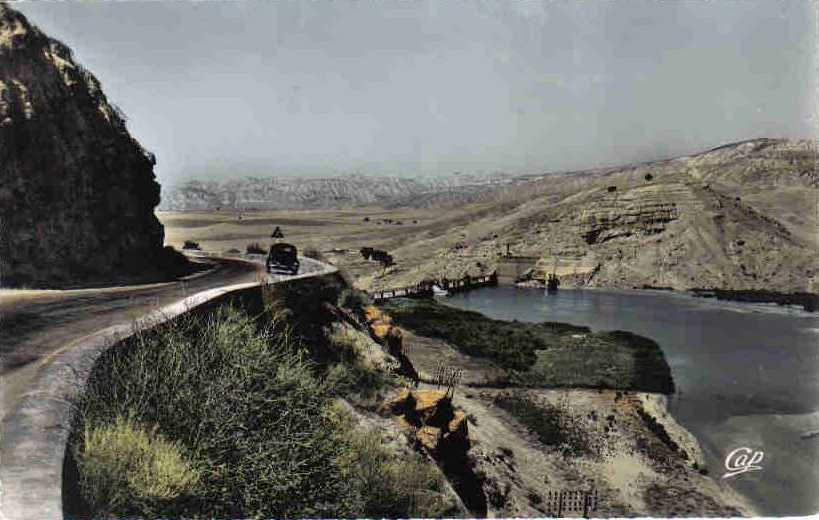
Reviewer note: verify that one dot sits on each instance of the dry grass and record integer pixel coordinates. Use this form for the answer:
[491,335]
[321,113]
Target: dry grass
[122,464]
[249,413]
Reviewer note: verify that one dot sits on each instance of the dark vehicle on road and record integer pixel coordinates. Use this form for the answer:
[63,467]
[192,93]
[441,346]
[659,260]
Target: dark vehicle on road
[283,257]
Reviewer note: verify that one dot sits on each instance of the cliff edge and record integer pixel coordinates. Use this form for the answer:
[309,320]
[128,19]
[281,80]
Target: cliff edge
[77,191]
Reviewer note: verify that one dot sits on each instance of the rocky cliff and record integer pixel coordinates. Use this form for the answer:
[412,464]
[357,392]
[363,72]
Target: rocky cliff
[77,192]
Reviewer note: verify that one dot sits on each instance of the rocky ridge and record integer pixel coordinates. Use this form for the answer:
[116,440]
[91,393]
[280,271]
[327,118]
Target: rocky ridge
[741,216]
[332,192]
[77,191]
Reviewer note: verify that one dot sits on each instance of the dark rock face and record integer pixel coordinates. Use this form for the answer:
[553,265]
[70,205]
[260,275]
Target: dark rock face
[77,192]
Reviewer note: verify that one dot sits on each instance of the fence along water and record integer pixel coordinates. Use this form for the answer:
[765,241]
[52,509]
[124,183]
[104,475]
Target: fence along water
[424,289]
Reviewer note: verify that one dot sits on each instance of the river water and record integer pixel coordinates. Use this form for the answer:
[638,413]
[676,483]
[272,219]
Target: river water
[747,375]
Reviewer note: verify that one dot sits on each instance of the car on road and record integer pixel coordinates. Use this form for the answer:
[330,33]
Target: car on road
[283,257]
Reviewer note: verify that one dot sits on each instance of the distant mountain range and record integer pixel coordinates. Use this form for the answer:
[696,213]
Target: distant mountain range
[334,192]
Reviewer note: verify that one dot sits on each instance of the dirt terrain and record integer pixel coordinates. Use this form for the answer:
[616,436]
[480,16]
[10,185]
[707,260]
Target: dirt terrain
[625,445]
[742,216]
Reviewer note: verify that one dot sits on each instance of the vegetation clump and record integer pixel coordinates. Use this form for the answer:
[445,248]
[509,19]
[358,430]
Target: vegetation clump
[546,354]
[387,486]
[255,248]
[554,426]
[352,375]
[223,415]
[123,465]
[312,252]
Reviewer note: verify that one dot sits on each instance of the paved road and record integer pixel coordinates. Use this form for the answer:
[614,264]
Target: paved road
[35,325]
[49,341]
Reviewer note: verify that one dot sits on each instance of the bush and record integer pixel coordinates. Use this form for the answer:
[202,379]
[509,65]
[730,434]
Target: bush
[542,354]
[553,425]
[256,419]
[255,248]
[122,465]
[388,486]
[245,401]
[354,300]
[355,378]
[352,374]
[312,252]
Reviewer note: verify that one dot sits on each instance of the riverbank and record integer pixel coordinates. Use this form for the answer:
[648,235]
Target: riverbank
[544,355]
[528,443]
[809,302]
[745,374]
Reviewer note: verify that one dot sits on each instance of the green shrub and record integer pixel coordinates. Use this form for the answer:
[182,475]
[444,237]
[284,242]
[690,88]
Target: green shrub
[255,248]
[354,300]
[246,408]
[123,466]
[389,486]
[245,401]
[351,374]
[542,354]
[312,252]
[554,426]
[355,378]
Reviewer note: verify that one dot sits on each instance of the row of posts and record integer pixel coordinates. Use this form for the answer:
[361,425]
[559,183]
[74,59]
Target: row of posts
[425,289]
[560,502]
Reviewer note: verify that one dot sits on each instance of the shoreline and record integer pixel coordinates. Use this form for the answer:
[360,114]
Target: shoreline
[801,301]
[667,317]
[655,466]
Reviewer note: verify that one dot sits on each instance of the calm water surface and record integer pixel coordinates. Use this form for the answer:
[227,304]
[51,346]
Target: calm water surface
[746,375]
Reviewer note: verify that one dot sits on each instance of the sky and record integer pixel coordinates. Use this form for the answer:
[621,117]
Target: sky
[229,89]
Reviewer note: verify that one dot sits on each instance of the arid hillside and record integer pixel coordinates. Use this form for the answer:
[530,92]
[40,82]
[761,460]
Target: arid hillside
[77,192]
[741,216]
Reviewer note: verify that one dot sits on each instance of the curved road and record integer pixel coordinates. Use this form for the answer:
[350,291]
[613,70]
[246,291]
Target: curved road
[35,325]
[49,341]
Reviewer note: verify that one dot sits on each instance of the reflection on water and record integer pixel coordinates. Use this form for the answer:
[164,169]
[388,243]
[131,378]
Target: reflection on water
[746,375]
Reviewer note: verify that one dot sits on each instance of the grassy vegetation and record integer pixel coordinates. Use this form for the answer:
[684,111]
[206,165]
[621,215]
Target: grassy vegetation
[542,354]
[354,300]
[352,375]
[388,486]
[255,248]
[219,416]
[123,465]
[553,426]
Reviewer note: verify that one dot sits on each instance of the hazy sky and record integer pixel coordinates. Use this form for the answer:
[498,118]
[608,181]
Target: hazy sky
[248,88]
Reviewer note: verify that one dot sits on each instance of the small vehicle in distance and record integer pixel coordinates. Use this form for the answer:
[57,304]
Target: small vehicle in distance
[283,257]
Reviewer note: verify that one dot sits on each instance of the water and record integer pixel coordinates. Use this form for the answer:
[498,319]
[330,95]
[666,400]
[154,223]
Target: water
[746,375]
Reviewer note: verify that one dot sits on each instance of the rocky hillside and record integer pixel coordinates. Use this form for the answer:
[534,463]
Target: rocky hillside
[741,216]
[77,192]
[333,192]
